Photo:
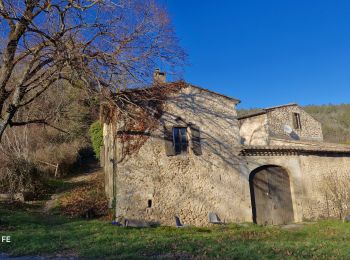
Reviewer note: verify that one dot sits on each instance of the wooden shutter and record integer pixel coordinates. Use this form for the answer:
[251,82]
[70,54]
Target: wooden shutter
[296,121]
[299,121]
[168,140]
[295,126]
[196,140]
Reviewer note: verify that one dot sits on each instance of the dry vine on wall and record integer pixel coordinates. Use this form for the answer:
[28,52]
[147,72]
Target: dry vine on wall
[136,114]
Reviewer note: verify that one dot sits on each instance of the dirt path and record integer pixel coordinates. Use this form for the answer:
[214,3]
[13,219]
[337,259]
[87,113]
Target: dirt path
[71,182]
[45,206]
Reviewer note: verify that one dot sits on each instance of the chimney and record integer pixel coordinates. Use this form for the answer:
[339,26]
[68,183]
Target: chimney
[159,77]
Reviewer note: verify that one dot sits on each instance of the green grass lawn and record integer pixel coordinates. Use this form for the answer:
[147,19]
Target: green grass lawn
[37,234]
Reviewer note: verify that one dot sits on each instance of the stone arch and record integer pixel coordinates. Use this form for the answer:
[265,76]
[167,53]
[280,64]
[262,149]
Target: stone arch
[271,196]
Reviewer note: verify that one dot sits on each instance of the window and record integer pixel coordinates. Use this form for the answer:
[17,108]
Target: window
[149,203]
[180,140]
[296,121]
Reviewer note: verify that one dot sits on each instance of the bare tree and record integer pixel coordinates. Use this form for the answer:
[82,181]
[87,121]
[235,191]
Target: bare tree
[97,44]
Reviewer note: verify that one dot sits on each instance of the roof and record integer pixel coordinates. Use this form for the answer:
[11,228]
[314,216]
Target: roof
[216,93]
[181,84]
[265,110]
[262,112]
[311,148]
[280,106]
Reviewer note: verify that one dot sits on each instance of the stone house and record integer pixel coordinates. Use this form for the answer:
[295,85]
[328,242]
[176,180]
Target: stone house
[277,124]
[194,156]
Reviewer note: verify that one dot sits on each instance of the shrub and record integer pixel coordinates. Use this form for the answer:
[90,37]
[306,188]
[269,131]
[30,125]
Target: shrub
[96,135]
[65,155]
[21,175]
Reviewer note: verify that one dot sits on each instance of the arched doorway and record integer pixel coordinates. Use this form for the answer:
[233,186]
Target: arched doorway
[271,196]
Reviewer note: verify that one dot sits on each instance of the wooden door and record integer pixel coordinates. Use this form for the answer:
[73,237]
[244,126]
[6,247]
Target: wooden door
[271,196]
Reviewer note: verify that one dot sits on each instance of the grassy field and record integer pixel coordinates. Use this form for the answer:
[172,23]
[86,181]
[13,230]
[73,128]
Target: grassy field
[36,234]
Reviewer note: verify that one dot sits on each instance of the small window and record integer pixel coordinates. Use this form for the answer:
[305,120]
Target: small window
[296,121]
[180,140]
[149,203]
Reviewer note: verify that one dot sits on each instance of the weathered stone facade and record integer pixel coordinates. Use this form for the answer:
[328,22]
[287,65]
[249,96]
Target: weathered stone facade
[154,185]
[307,172]
[186,185]
[254,130]
[315,169]
[271,123]
[310,130]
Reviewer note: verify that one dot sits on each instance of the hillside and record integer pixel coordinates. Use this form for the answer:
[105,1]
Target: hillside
[335,120]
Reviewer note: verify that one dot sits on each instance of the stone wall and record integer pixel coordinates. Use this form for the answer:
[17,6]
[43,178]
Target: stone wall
[150,185]
[187,185]
[254,130]
[268,128]
[292,165]
[311,130]
[316,172]
[308,175]
[108,159]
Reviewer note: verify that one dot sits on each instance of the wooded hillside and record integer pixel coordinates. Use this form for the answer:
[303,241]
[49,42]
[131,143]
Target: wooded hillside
[335,120]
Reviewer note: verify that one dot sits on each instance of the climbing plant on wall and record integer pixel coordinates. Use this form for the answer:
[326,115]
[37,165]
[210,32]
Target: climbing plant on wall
[96,136]
[136,113]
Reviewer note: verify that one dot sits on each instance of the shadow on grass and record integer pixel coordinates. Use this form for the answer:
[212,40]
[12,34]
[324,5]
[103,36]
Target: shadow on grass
[37,234]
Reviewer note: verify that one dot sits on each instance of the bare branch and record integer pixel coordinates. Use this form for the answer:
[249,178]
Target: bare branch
[36,121]
[99,44]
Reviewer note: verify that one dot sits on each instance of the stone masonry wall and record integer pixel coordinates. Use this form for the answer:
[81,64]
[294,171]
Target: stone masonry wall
[308,175]
[316,172]
[254,130]
[188,186]
[311,130]
[108,164]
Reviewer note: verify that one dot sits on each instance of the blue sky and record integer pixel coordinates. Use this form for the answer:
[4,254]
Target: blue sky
[267,53]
